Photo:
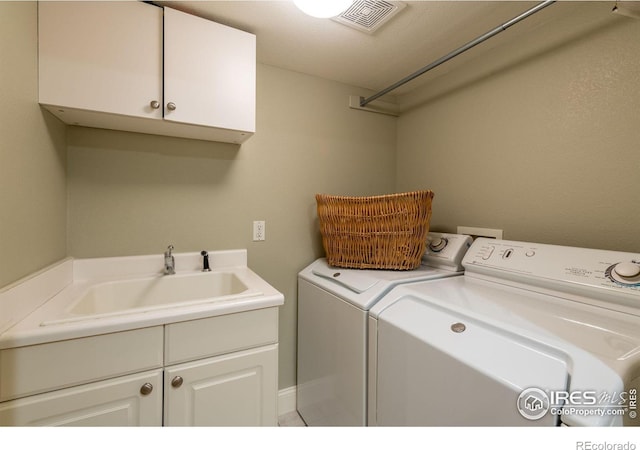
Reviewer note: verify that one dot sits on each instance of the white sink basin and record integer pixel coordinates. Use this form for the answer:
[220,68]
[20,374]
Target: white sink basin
[84,297]
[159,291]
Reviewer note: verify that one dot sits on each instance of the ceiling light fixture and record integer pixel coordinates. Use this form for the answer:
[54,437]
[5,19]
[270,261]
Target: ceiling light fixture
[322,8]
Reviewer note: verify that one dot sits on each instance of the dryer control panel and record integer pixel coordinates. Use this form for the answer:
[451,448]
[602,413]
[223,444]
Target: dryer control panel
[446,250]
[608,275]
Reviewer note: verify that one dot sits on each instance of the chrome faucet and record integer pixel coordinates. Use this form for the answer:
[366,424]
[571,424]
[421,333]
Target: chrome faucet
[169,262]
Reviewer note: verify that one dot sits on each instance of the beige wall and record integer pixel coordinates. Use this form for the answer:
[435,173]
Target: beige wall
[32,154]
[135,194]
[541,138]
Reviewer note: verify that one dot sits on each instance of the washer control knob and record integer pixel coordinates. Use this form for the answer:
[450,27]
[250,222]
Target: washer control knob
[627,270]
[438,244]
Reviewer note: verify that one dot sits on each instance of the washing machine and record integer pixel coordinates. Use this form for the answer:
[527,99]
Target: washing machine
[333,306]
[530,335]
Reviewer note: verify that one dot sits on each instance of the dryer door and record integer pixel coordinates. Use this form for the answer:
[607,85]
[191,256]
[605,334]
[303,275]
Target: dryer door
[439,368]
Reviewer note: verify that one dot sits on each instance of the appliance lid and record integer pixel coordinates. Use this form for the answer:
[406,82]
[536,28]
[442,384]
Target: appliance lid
[363,288]
[507,365]
[357,281]
[601,345]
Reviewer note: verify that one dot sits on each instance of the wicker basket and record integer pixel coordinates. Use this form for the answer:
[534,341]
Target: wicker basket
[381,232]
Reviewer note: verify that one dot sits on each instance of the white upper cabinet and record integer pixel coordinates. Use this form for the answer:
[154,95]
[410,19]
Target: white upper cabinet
[108,64]
[213,83]
[101,56]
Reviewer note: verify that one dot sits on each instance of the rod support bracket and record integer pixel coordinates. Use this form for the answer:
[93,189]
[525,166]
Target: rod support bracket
[380,107]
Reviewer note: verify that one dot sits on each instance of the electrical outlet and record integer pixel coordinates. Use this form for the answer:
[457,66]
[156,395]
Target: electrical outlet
[259,231]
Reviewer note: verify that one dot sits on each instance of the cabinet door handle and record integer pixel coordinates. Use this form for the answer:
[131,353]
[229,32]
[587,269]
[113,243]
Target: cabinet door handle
[146,389]
[176,382]
[155,104]
[171,106]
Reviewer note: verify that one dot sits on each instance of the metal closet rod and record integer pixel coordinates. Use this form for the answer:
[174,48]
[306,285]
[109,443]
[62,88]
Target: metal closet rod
[453,54]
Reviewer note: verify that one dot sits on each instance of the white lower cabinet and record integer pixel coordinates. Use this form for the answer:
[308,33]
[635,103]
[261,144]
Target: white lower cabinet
[229,390]
[117,402]
[216,371]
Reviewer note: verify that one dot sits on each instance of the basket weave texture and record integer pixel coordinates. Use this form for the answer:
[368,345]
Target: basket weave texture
[379,232]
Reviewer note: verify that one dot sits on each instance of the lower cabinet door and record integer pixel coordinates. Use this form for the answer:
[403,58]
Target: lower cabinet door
[238,389]
[132,400]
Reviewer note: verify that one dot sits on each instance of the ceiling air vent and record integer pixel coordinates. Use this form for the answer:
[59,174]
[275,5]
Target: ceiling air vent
[369,15]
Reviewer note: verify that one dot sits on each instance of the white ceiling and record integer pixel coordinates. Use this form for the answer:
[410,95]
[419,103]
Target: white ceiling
[421,33]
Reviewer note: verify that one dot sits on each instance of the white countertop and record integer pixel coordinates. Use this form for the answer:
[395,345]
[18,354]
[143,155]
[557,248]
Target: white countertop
[35,310]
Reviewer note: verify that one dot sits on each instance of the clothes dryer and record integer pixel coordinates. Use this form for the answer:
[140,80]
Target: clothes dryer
[531,334]
[333,305]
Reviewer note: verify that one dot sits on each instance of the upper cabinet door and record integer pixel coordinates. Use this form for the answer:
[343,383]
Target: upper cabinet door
[101,56]
[209,72]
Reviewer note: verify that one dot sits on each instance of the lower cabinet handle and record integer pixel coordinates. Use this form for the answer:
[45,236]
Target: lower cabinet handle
[176,382]
[146,389]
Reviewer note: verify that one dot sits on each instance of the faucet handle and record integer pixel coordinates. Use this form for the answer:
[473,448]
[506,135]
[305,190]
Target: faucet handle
[205,261]
[169,250]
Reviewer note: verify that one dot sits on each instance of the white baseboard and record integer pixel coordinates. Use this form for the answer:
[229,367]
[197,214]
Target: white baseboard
[287,400]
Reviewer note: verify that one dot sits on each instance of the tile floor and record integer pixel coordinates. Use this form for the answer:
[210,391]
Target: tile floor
[291,419]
